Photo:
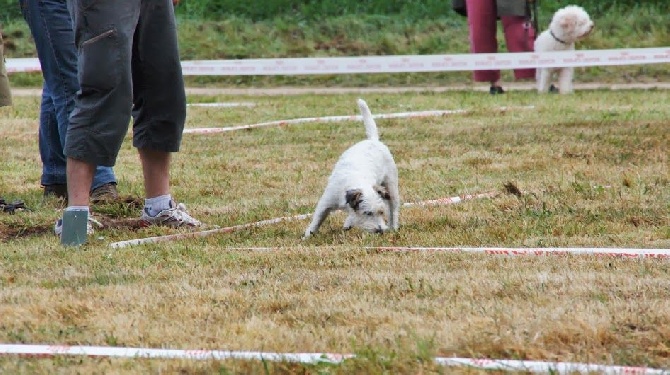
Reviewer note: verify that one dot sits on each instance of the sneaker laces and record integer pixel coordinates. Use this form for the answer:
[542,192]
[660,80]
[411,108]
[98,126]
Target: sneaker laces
[182,216]
[174,216]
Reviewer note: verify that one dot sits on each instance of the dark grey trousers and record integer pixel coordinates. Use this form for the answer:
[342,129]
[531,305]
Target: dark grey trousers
[128,61]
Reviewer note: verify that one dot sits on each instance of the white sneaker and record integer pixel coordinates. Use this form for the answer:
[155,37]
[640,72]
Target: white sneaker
[176,216]
[58,227]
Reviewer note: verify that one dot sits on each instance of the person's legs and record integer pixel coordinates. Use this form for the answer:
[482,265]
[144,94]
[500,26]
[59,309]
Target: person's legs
[159,207]
[51,26]
[156,171]
[99,122]
[101,115]
[50,146]
[159,109]
[79,178]
[519,38]
[482,25]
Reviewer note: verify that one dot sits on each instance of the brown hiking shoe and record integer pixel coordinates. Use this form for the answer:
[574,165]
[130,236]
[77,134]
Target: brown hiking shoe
[58,191]
[105,193]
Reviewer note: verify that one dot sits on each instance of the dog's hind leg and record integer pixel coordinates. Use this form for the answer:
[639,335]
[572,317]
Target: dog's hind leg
[394,206]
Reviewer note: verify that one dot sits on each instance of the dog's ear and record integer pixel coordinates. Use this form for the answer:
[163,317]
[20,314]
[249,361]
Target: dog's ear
[354,198]
[382,191]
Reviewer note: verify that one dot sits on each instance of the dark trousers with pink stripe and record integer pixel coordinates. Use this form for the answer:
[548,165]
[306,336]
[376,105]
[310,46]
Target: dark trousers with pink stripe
[482,22]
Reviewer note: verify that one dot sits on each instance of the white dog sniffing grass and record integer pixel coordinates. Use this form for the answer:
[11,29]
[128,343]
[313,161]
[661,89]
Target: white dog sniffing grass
[567,26]
[364,182]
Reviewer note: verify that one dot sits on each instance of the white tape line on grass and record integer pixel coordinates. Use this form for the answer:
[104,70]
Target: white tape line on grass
[196,354]
[417,114]
[222,104]
[180,236]
[404,63]
[48,351]
[321,119]
[451,200]
[548,251]
[540,367]
[537,251]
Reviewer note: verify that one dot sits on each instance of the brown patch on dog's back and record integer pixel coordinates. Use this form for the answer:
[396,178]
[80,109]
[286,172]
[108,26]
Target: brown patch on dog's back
[382,191]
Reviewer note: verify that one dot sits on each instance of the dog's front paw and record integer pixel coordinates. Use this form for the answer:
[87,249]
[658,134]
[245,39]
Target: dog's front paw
[308,234]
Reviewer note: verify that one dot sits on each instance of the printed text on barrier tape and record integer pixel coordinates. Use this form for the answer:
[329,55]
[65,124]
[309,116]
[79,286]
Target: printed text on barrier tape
[406,63]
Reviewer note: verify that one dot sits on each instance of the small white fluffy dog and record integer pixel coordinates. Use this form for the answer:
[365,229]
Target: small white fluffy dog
[364,182]
[568,25]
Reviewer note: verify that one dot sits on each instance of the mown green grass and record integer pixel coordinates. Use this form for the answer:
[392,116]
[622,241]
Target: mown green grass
[591,168]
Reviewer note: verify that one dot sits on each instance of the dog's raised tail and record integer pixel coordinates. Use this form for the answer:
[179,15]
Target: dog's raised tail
[370,125]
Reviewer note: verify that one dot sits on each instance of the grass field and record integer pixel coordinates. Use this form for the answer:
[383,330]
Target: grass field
[591,169]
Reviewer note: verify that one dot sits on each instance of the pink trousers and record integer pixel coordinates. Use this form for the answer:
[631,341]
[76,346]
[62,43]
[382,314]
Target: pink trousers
[482,24]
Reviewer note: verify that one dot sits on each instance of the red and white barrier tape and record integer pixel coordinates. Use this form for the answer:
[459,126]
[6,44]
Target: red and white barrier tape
[542,251]
[23,65]
[405,63]
[196,354]
[180,236]
[303,120]
[536,251]
[48,351]
[540,367]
